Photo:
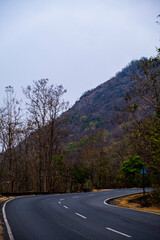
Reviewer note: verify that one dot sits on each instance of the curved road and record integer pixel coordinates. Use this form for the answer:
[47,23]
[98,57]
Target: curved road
[79,216]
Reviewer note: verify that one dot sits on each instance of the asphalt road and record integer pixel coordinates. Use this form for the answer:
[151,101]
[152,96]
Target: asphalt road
[78,216]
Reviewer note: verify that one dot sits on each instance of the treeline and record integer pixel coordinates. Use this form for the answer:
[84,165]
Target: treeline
[105,163]
[30,138]
[34,157]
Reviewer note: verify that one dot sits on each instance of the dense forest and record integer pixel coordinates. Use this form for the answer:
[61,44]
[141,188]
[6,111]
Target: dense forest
[103,141]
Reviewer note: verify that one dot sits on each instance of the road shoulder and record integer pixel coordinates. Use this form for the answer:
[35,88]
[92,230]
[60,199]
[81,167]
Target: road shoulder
[3,230]
[129,202]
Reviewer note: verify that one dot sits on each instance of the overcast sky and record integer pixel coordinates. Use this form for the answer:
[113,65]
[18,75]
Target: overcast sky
[77,43]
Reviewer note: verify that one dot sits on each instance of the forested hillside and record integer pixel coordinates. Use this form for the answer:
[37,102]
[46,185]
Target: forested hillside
[98,108]
[103,141]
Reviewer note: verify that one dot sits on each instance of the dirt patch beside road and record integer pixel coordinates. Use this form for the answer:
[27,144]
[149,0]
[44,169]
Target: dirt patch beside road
[134,201]
[101,190]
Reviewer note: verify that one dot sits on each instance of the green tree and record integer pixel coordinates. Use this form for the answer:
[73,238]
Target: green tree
[79,176]
[131,169]
[144,105]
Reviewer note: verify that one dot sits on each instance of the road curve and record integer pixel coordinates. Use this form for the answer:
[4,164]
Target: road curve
[78,216]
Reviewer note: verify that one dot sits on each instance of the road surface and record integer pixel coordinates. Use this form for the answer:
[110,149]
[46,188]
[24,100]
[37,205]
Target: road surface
[78,216]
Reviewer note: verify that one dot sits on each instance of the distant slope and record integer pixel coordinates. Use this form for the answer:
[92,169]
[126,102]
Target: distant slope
[96,108]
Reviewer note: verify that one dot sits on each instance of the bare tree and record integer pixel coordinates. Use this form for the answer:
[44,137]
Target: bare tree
[10,135]
[45,105]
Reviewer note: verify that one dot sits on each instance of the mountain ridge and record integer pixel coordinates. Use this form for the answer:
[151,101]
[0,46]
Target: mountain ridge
[96,108]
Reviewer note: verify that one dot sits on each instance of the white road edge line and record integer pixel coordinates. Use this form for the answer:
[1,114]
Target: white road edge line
[132,209]
[110,229]
[81,215]
[65,207]
[6,221]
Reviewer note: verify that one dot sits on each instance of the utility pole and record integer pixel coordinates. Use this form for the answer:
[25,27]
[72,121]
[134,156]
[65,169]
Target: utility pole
[143,183]
[143,171]
[9,91]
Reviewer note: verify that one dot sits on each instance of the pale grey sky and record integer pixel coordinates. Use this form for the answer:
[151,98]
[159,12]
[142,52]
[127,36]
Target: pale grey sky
[77,43]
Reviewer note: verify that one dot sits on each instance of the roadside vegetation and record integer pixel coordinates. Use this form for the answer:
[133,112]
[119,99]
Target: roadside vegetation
[36,157]
[148,202]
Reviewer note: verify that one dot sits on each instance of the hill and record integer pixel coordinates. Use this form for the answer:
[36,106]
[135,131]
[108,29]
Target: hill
[86,146]
[98,108]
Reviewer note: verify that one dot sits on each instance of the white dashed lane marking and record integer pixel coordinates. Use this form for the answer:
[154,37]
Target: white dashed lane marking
[110,229]
[81,215]
[65,207]
[90,195]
